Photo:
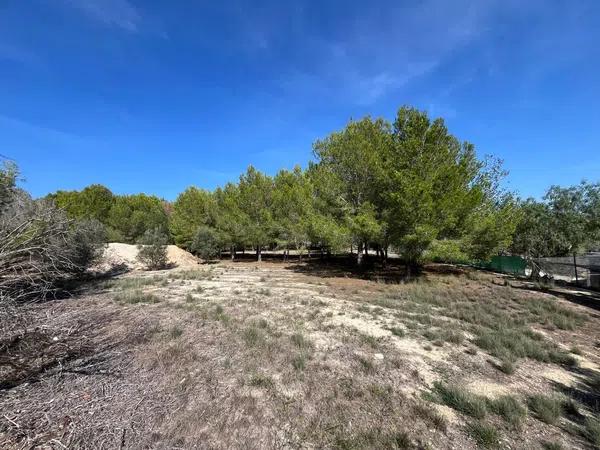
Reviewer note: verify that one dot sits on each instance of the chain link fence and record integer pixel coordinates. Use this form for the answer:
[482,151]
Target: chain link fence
[581,270]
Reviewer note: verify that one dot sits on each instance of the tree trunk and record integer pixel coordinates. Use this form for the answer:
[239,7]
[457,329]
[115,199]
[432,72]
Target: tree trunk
[232,252]
[359,257]
[258,254]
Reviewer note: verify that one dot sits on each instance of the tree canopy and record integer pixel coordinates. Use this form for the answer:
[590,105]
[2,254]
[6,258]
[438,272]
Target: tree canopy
[408,186]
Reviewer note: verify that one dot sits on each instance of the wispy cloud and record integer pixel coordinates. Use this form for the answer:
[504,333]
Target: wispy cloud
[375,52]
[116,13]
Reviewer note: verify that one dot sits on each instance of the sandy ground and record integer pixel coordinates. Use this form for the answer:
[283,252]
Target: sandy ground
[117,254]
[214,360]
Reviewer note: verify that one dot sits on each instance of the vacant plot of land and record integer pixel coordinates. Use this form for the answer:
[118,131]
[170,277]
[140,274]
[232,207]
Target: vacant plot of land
[246,355]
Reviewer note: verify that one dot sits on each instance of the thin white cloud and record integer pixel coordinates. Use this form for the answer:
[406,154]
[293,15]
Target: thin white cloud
[116,13]
[380,50]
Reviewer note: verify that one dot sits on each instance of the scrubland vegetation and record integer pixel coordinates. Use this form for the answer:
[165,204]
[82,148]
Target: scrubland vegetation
[321,351]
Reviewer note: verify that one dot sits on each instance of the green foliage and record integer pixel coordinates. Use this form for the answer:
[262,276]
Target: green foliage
[8,180]
[152,249]
[509,408]
[447,251]
[255,206]
[491,230]
[292,208]
[566,222]
[460,399]
[484,434]
[93,202]
[193,208]
[132,215]
[547,409]
[206,243]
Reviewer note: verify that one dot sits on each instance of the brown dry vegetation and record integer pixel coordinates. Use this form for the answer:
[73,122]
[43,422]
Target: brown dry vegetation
[246,355]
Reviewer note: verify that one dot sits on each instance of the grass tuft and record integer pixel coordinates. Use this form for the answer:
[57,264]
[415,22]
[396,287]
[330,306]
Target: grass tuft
[136,296]
[509,408]
[547,409]
[461,400]
[485,435]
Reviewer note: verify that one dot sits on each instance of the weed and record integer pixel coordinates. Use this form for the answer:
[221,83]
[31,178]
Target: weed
[431,416]
[260,380]
[253,336]
[301,342]
[507,366]
[547,409]
[192,274]
[373,438]
[366,364]
[299,362]
[460,399]
[397,331]
[509,408]
[552,446]
[136,296]
[485,435]
[175,331]
[132,282]
[369,340]
[591,431]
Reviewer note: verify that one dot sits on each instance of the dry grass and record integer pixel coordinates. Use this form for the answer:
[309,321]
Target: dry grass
[243,355]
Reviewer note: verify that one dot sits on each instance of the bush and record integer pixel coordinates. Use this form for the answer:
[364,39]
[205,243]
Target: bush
[446,251]
[41,247]
[152,249]
[206,243]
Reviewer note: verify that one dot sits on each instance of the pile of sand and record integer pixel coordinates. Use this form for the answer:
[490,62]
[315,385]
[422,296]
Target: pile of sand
[116,254]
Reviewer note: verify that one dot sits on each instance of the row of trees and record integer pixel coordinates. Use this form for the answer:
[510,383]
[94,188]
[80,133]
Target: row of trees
[126,217]
[373,185]
[409,186]
[566,222]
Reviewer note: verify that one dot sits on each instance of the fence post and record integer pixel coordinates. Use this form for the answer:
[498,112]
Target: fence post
[575,265]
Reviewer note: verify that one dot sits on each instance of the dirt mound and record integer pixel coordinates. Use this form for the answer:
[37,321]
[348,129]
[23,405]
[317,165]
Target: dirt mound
[117,254]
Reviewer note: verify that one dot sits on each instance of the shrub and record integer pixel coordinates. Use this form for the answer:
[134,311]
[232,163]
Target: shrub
[206,243]
[446,251]
[40,247]
[152,249]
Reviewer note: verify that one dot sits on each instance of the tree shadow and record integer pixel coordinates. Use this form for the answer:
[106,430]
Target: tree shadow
[586,391]
[373,269]
[589,299]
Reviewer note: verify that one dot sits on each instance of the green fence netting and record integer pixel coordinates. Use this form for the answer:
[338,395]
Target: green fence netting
[506,264]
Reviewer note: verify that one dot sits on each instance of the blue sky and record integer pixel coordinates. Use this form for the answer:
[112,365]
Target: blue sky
[154,96]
